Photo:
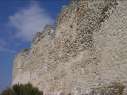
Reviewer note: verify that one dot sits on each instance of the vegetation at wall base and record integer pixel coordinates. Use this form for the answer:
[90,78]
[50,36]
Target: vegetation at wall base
[20,89]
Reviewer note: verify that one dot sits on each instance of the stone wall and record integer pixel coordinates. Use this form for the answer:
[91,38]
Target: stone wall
[86,49]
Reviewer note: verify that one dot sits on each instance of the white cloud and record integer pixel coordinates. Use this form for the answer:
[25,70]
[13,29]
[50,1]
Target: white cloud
[29,21]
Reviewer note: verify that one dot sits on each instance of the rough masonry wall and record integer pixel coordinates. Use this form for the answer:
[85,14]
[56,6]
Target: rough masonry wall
[85,50]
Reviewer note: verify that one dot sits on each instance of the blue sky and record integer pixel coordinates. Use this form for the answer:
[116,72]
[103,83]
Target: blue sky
[19,21]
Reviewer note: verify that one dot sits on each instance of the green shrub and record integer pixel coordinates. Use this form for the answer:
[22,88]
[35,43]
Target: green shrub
[20,89]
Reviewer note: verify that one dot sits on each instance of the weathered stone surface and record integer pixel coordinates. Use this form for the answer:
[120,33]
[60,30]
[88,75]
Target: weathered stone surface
[86,49]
